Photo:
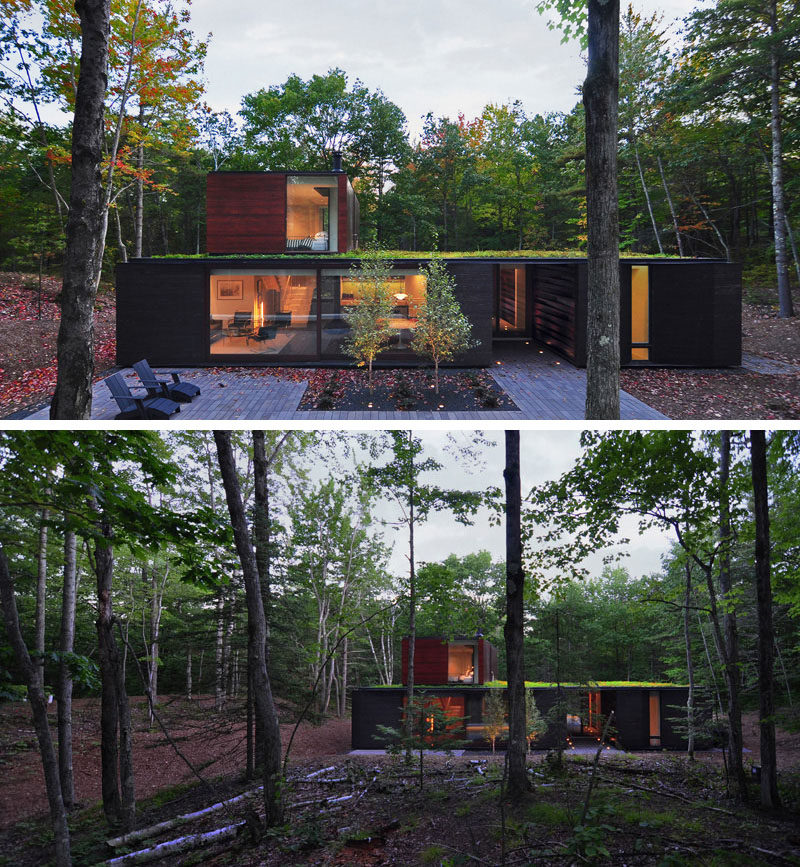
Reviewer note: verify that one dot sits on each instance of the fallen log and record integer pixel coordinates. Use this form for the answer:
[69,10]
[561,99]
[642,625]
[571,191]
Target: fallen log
[153,830]
[320,771]
[175,847]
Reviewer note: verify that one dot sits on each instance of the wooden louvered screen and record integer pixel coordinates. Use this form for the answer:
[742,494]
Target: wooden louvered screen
[555,289]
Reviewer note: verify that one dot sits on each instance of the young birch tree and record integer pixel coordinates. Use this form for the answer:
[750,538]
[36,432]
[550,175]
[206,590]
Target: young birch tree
[370,331]
[442,331]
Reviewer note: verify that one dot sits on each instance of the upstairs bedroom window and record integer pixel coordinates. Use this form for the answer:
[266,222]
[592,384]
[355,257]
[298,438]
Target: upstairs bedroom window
[312,209]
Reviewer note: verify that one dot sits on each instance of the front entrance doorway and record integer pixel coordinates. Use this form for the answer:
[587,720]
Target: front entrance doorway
[511,317]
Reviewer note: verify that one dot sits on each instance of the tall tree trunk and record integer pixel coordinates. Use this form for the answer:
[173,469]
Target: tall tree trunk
[689,664]
[731,660]
[785,307]
[116,757]
[41,594]
[36,699]
[85,224]
[766,633]
[189,673]
[678,239]
[109,710]
[264,704]
[515,590]
[412,600]
[600,98]
[65,645]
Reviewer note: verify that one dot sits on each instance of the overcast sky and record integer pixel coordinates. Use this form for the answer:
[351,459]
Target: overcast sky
[443,56]
[544,455]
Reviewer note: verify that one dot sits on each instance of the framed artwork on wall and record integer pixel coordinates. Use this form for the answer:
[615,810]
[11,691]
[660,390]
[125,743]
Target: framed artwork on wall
[230,290]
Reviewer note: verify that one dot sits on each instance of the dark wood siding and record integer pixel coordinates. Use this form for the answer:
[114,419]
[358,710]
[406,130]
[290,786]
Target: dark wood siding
[371,708]
[475,294]
[162,313]
[246,212]
[681,314]
[555,296]
[632,720]
[727,318]
[343,224]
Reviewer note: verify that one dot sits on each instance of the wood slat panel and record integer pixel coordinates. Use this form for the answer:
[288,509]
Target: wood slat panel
[554,305]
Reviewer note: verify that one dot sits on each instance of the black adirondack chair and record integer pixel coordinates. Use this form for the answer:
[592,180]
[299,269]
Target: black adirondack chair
[133,406]
[173,389]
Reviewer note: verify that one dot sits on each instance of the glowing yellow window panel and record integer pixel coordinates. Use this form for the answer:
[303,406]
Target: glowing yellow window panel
[640,311]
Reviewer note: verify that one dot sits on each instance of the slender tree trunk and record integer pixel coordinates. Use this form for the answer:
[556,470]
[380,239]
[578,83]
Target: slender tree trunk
[66,643]
[766,633]
[139,206]
[647,196]
[41,594]
[515,591]
[793,247]
[689,664]
[788,686]
[600,98]
[711,670]
[264,704]
[785,307]
[227,653]
[189,673]
[36,699]
[85,224]
[678,239]
[731,659]
[219,683]
[123,250]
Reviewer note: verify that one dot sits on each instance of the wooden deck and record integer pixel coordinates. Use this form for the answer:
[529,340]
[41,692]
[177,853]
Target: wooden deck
[542,386]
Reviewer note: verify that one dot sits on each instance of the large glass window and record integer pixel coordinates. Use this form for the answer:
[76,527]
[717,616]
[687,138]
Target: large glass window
[312,213]
[263,313]
[340,292]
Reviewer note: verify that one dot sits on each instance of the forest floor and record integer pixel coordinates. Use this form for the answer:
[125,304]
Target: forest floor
[28,359]
[646,808]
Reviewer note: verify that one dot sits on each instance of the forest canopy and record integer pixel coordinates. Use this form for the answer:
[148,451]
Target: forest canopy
[694,134]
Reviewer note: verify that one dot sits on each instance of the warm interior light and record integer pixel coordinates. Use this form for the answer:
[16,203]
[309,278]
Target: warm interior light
[400,296]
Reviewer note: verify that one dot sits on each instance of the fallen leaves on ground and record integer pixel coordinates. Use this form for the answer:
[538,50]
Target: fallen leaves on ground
[732,394]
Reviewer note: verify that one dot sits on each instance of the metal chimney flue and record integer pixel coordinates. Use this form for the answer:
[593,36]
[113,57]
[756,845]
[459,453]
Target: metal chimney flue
[337,162]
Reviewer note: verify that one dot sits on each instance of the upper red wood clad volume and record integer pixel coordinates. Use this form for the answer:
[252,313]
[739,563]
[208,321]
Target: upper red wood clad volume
[246,212]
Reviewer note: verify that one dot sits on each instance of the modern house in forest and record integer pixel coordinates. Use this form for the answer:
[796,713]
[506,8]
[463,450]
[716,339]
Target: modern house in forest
[276,285]
[459,675]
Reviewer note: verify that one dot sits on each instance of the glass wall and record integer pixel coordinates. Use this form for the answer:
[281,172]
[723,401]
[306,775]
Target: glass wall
[341,292]
[462,663]
[263,313]
[312,208]
[640,313]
